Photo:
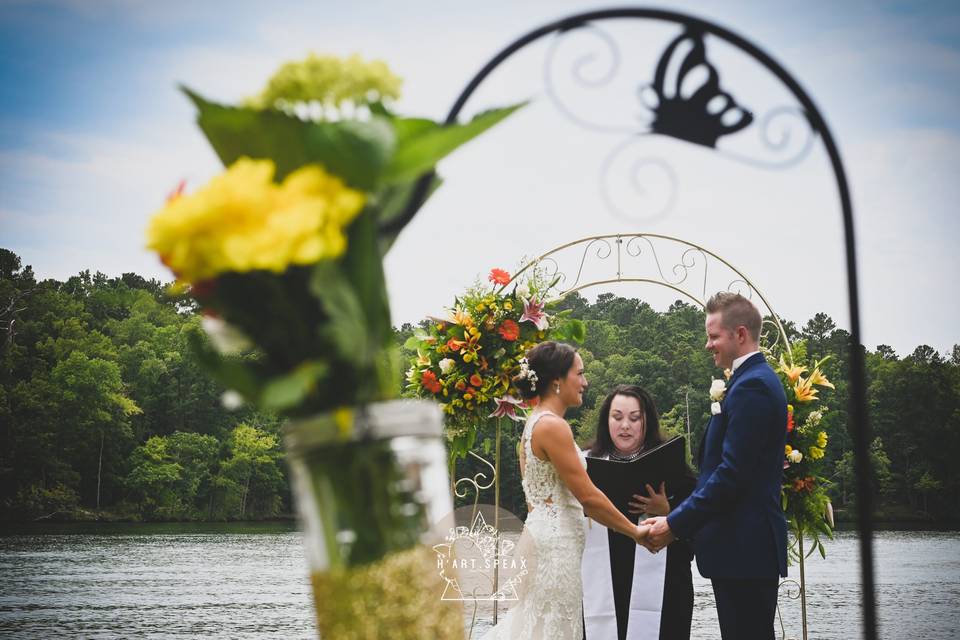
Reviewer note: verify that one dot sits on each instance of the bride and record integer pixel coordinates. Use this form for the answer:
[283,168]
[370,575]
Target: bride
[558,493]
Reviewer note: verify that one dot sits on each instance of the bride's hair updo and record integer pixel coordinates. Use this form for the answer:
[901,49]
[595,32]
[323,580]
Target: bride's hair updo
[545,363]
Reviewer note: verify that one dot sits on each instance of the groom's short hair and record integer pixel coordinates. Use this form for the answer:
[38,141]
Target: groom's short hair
[736,311]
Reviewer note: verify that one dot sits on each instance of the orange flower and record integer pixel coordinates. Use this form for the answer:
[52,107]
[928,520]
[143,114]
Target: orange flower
[509,330]
[790,424]
[499,276]
[455,345]
[819,379]
[476,380]
[429,382]
[803,390]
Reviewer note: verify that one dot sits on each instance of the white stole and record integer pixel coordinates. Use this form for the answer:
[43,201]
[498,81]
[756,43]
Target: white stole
[646,594]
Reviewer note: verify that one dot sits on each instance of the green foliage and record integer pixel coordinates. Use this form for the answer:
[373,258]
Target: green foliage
[100,396]
[78,357]
[322,332]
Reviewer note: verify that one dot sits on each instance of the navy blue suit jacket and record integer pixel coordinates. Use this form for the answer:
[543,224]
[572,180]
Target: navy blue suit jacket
[733,516]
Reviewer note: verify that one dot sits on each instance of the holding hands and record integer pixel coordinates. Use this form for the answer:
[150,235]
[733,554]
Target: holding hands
[641,534]
[654,533]
[658,535]
[653,504]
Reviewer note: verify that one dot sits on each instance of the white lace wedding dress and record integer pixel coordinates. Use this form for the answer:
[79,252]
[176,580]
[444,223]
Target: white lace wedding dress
[549,607]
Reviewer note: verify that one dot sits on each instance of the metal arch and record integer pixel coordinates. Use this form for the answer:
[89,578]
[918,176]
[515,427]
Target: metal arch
[858,404]
[620,278]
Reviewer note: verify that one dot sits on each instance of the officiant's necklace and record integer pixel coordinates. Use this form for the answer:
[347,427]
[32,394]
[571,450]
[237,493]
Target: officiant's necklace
[621,457]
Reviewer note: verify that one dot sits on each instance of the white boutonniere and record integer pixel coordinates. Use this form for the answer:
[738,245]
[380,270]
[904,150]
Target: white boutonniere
[718,389]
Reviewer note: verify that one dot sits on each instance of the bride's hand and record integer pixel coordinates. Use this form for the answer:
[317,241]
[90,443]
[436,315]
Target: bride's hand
[641,533]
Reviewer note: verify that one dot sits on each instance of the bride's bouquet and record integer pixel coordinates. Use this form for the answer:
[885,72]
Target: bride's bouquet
[282,253]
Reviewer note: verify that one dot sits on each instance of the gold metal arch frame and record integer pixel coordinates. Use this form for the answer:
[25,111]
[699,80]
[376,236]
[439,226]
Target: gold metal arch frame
[644,258]
[641,258]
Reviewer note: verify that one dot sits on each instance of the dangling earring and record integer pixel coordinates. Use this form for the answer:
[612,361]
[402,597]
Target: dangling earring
[557,388]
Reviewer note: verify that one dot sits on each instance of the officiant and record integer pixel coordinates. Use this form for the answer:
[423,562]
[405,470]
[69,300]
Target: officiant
[630,593]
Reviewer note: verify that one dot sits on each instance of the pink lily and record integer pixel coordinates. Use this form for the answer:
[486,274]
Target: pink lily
[507,408]
[533,311]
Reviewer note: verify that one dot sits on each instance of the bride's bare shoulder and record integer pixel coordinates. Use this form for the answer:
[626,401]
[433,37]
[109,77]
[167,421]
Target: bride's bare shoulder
[552,426]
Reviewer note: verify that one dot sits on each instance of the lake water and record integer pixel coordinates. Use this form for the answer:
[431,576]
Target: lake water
[250,581]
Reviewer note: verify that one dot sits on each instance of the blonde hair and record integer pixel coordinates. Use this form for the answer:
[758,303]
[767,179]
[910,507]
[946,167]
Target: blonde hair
[736,311]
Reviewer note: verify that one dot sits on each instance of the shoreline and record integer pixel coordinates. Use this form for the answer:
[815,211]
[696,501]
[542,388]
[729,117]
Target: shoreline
[289,523]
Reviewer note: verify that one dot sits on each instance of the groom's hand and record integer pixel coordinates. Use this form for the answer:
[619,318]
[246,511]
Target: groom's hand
[660,534]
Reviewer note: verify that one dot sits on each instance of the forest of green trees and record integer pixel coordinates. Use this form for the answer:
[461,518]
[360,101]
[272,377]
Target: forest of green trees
[104,413]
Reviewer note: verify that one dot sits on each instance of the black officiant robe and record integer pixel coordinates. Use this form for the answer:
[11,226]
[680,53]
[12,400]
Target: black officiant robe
[677,610]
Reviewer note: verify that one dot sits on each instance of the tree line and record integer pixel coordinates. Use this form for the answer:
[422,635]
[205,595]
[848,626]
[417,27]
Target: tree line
[104,413]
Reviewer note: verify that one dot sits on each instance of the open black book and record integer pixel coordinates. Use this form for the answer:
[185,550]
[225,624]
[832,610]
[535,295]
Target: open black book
[619,481]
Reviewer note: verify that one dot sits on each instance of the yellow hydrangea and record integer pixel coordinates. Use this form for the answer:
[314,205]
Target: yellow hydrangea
[244,221]
[822,439]
[816,453]
[330,81]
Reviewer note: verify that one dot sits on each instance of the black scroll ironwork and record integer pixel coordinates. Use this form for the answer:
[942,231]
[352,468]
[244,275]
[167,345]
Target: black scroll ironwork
[694,120]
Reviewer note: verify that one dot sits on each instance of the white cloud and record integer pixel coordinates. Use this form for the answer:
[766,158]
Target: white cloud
[80,199]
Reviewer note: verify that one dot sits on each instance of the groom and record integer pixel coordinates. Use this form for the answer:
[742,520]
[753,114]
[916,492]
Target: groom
[733,517]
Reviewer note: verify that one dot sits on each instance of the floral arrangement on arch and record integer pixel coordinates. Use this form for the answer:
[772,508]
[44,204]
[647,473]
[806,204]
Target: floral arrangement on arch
[804,495]
[467,360]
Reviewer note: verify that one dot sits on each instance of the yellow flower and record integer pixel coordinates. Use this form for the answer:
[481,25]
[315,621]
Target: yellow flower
[508,305]
[822,439]
[423,360]
[819,379]
[460,317]
[804,391]
[243,221]
[816,453]
[791,371]
[343,417]
[787,449]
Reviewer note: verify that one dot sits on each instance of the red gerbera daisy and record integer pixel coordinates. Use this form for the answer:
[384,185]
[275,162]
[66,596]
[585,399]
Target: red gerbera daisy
[429,382]
[499,276]
[509,330]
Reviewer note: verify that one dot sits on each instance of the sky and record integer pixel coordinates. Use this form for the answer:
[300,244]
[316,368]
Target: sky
[94,134]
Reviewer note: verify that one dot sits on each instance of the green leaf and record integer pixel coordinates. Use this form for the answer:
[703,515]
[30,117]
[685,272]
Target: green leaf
[285,392]
[346,327]
[356,151]
[570,331]
[409,128]
[823,552]
[363,268]
[232,372]
[420,146]
[412,343]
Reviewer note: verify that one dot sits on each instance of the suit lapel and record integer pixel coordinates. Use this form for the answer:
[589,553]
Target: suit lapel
[748,363]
